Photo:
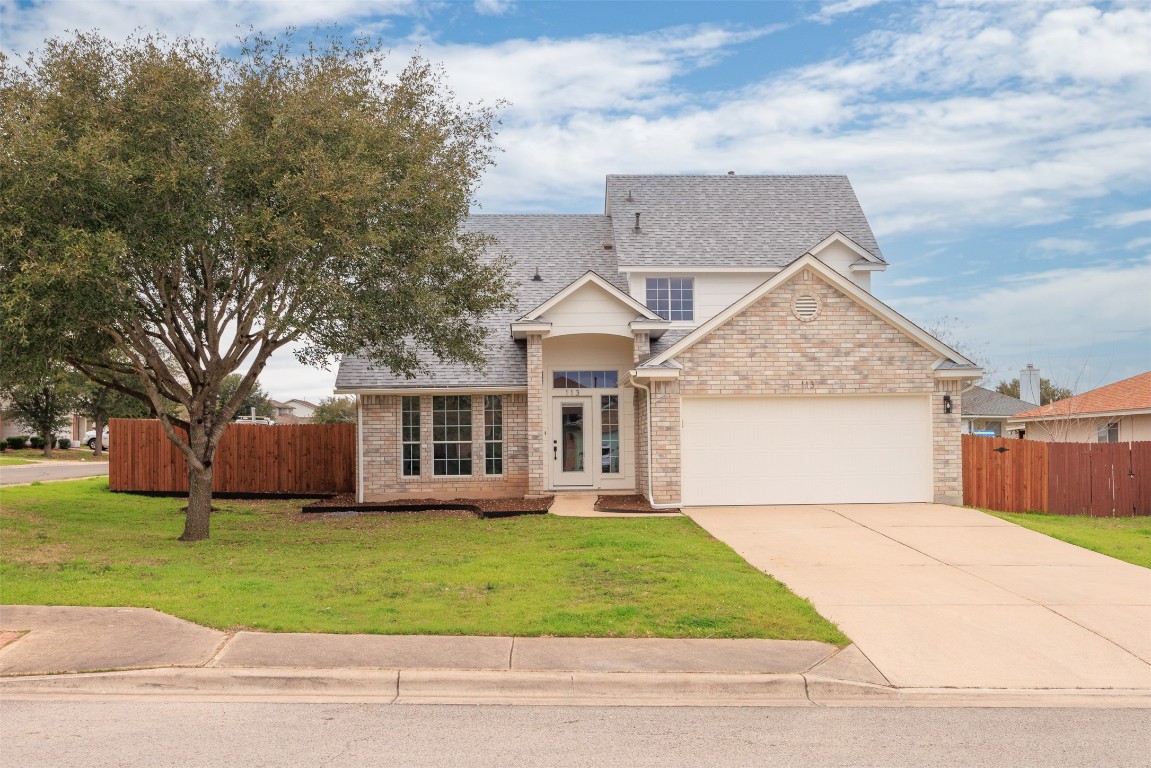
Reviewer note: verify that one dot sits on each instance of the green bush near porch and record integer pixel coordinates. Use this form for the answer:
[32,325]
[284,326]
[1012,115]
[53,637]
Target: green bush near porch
[271,568]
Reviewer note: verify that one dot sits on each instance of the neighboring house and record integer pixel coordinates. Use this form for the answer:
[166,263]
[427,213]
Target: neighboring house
[1116,413]
[986,411]
[707,340]
[294,411]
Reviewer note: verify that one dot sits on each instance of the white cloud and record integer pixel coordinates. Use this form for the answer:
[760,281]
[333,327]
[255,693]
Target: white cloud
[1127,219]
[1073,246]
[1063,318]
[493,7]
[909,282]
[1138,243]
[832,10]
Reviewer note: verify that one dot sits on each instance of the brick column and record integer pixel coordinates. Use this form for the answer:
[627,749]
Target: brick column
[947,445]
[535,421]
[641,345]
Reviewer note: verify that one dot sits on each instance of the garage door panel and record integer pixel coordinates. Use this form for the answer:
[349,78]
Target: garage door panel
[806,450]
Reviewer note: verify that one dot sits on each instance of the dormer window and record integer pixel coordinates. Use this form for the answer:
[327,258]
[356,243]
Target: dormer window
[672,298]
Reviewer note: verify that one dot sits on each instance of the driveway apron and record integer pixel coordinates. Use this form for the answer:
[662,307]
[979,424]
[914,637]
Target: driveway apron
[941,596]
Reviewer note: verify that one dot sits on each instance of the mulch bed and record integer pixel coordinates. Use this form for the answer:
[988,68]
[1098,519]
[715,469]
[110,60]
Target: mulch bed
[346,502]
[632,503]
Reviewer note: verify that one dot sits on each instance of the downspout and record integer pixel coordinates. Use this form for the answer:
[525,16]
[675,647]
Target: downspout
[360,448]
[647,399]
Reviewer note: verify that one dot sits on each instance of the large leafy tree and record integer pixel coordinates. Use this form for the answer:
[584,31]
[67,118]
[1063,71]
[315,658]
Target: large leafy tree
[170,215]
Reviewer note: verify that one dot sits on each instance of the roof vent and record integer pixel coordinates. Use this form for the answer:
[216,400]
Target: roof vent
[608,245]
[731,173]
[806,307]
[536,278]
[629,198]
[637,229]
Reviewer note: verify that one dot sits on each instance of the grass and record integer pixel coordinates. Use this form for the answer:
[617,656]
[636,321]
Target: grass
[1124,538]
[12,461]
[269,567]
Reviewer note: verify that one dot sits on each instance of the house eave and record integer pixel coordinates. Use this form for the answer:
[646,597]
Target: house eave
[438,390]
[521,330]
[1082,416]
[646,374]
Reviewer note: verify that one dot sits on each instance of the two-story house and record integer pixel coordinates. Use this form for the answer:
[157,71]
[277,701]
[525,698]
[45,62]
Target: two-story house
[708,340]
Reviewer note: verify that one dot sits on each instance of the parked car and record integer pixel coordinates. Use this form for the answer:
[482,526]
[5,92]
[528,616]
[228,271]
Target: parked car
[90,438]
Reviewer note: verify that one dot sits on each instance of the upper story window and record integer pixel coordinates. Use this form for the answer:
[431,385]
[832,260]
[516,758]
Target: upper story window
[672,298]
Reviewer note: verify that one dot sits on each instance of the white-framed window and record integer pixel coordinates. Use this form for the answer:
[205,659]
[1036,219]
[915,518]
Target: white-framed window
[609,434]
[1109,433]
[493,434]
[410,436]
[451,435]
[585,379]
[672,298]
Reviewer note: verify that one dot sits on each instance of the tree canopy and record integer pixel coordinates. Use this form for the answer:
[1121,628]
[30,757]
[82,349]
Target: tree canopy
[1048,392]
[335,410]
[170,215]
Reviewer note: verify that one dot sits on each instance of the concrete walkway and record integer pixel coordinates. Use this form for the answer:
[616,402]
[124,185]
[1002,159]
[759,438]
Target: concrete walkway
[939,596]
[578,504]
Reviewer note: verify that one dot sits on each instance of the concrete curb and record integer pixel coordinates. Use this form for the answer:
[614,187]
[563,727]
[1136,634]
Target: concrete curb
[429,686]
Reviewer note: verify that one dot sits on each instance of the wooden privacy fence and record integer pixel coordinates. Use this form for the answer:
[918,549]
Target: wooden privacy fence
[289,459]
[1098,479]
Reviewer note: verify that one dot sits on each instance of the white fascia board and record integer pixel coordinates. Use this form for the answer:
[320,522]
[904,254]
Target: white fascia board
[653,373]
[959,373]
[839,237]
[654,328]
[430,390]
[845,286]
[580,282]
[868,266]
[520,330]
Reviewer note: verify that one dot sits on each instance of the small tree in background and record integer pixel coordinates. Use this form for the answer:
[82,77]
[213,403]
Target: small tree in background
[40,395]
[256,398]
[335,410]
[100,403]
[1048,392]
[170,215]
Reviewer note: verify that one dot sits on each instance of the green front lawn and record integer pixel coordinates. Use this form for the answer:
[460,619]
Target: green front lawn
[12,461]
[1124,538]
[269,567]
[29,455]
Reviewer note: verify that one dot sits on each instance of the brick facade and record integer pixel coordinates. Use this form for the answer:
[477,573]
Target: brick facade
[537,483]
[380,440]
[768,350]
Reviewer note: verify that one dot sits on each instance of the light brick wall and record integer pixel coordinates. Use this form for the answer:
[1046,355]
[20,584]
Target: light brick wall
[767,350]
[537,482]
[665,436]
[383,480]
[640,411]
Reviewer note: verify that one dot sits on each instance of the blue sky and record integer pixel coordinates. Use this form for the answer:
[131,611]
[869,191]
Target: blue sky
[1002,151]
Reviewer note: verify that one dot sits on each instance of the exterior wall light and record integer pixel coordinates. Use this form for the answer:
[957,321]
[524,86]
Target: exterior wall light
[947,403]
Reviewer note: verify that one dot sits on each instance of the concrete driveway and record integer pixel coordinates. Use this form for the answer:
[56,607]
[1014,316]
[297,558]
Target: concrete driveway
[940,596]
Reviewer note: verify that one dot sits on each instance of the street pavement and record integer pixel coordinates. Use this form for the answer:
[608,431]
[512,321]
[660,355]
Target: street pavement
[940,596]
[160,734]
[46,471]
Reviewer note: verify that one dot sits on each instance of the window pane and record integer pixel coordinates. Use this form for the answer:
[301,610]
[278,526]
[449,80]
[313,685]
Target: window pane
[410,436]
[452,435]
[609,434]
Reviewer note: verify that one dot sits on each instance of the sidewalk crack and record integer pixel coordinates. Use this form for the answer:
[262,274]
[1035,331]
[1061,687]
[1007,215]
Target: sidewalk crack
[511,653]
[228,636]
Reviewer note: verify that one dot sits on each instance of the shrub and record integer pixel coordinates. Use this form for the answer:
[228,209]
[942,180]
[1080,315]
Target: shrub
[64,443]
[16,442]
[38,442]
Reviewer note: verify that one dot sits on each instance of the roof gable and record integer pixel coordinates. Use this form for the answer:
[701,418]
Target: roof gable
[960,366]
[591,278]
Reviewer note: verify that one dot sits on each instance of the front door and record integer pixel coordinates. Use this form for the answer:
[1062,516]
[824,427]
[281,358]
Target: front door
[572,434]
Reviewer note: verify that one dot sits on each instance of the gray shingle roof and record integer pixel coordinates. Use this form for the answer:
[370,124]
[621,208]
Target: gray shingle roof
[987,402]
[562,247]
[724,221]
[759,221]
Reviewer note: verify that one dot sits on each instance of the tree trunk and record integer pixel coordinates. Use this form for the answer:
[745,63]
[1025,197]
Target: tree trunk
[100,420]
[199,514]
[49,438]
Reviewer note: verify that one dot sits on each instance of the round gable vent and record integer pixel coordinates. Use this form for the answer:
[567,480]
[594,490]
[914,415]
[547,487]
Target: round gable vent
[806,307]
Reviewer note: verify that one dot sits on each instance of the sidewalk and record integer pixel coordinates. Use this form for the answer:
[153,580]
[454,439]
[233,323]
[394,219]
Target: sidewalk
[71,652]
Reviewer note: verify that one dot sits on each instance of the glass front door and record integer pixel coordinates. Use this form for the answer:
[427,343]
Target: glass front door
[570,432]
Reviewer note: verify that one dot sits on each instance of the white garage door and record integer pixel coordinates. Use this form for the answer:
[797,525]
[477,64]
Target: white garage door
[806,450]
